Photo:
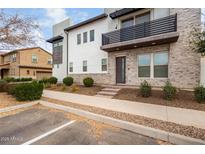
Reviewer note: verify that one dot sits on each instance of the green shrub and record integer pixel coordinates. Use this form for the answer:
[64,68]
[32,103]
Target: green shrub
[199,93]
[28,91]
[3,85]
[145,89]
[9,79]
[44,81]
[88,82]
[68,81]
[53,80]
[169,91]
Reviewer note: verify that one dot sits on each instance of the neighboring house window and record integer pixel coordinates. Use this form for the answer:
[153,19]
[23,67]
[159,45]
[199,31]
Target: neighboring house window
[144,62]
[79,39]
[34,59]
[49,61]
[71,67]
[58,52]
[92,35]
[104,64]
[161,65]
[85,37]
[28,72]
[13,57]
[142,18]
[85,66]
[34,73]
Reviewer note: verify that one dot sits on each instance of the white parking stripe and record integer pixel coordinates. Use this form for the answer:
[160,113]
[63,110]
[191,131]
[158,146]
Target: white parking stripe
[48,133]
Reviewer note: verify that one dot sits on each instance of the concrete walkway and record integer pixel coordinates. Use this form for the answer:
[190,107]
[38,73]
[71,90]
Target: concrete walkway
[160,112]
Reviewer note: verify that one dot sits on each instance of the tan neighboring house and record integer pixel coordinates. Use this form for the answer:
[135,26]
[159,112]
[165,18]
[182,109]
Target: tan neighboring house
[29,62]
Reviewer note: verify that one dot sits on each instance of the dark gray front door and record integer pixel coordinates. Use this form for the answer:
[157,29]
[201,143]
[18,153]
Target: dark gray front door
[120,69]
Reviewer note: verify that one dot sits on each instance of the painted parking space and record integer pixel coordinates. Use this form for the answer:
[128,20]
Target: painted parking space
[45,127]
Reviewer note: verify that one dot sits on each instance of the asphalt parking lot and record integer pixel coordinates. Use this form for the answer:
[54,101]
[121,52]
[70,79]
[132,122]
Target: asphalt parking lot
[42,126]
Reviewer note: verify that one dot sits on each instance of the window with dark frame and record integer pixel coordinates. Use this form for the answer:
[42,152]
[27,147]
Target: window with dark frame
[104,64]
[92,35]
[127,22]
[85,66]
[57,52]
[78,38]
[144,62]
[85,37]
[142,18]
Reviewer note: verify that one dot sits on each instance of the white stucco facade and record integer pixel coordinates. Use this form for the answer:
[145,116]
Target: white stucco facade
[89,51]
[60,70]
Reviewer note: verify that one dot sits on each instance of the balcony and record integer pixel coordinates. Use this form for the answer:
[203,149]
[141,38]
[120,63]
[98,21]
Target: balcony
[159,31]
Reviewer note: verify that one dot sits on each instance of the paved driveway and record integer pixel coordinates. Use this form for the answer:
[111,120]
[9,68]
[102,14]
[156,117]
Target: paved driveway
[42,126]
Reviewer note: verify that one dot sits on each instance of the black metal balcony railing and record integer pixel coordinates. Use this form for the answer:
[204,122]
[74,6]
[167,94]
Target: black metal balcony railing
[155,27]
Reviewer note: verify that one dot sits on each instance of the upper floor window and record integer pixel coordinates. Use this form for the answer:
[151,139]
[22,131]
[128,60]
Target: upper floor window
[13,57]
[104,64]
[58,52]
[71,66]
[142,18]
[34,59]
[127,22]
[85,66]
[92,35]
[79,39]
[49,61]
[85,37]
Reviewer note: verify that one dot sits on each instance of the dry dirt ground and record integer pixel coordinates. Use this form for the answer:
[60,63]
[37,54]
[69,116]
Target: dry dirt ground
[8,100]
[78,89]
[184,99]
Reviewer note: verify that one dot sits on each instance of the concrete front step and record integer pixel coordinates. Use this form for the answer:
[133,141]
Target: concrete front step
[111,89]
[108,93]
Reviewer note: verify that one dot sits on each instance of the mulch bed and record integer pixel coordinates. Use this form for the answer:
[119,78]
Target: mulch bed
[158,124]
[78,89]
[184,99]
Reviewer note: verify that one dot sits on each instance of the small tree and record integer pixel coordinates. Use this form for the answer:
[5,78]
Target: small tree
[16,30]
[197,38]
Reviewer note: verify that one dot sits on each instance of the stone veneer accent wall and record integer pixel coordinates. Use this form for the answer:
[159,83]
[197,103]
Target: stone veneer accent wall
[184,63]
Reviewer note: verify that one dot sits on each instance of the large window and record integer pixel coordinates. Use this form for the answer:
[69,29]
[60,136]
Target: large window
[92,35]
[34,59]
[154,65]
[85,66]
[104,64]
[71,66]
[142,18]
[127,23]
[79,39]
[161,65]
[58,52]
[85,37]
[144,62]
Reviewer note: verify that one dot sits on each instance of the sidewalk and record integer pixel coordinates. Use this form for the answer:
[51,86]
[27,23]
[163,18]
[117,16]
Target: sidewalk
[170,114]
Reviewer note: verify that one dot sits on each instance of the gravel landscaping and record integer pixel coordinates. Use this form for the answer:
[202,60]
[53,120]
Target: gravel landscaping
[78,89]
[8,100]
[184,99]
[158,124]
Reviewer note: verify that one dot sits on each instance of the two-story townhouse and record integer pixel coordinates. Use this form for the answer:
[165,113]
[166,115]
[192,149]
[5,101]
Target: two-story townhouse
[135,44]
[29,62]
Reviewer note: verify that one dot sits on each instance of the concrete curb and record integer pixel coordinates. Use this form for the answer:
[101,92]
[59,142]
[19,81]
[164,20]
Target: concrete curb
[7,109]
[147,131]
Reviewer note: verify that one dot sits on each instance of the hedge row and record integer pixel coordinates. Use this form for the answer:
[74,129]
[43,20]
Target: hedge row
[11,79]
